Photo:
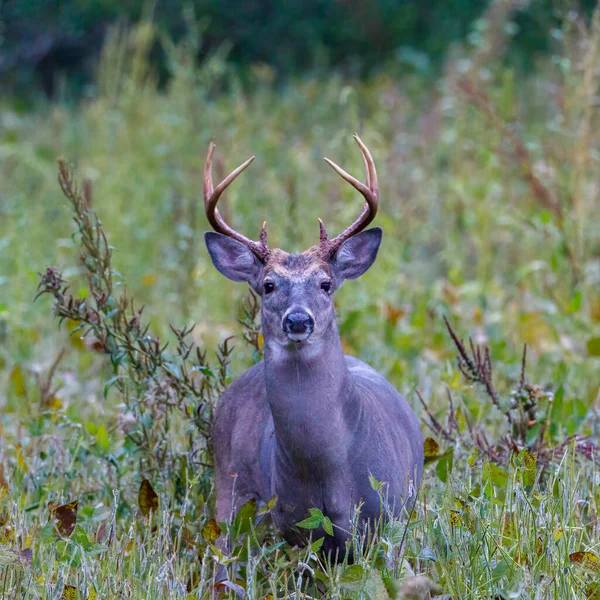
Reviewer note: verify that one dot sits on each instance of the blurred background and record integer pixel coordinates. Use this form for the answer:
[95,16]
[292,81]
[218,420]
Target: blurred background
[482,118]
[55,47]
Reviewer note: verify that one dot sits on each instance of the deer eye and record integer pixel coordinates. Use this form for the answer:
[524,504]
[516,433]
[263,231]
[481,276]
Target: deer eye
[326,286]
[269,287]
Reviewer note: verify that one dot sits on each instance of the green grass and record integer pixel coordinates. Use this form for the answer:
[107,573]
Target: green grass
[467,235]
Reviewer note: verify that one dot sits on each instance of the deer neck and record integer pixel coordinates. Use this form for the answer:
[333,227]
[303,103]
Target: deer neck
[309,396]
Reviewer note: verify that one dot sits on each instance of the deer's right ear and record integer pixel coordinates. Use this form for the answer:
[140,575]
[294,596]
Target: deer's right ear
[232,259]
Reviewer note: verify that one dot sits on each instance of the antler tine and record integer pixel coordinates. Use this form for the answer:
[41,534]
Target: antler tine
[370,191]
[211,198]
[372,182]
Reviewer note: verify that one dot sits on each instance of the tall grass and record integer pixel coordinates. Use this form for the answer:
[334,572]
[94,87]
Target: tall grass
[490,213]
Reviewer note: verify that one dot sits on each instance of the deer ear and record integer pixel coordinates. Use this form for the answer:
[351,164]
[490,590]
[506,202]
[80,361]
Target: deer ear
[357,254]
[232,259]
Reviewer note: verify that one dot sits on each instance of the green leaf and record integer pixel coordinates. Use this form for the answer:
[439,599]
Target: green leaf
[310,523]
[392,586]
[444,465]
[316,545]
[244,520]
[473,458]
[575,302]
[375,587]
[173,369]
[557,403]
[109,384]
[102,439]
[593,346]
[49,535]
[529,467]
[80,537]
[328,526]
[8,557]
[351,579]
[495,474]
[94,548]
[375,484]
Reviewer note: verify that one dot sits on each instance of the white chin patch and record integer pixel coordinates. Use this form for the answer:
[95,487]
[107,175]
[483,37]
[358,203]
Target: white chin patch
[298,337]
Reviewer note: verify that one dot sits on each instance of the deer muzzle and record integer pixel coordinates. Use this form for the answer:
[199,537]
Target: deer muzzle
[298,325]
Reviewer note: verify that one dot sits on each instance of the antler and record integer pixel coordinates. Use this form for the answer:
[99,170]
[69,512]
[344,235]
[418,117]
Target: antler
[370,191]
[211,198]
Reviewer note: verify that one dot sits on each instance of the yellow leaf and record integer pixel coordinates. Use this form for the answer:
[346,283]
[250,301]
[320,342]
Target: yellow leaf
[460,503]
[130,547]
[529,464]
[147,498]
[261,341]
[149,279]
[393,314]
[211,531]
[75,338]
[54,403]
[69,593]
[557,534]
[473,458]
[17,382]
[535,332]
[347,347]
[507,527]
[3,482]
[450,293]
[455,384]
[595,309]
[455,518]
[587,560]
[430,447]
[539,547]
[21,459]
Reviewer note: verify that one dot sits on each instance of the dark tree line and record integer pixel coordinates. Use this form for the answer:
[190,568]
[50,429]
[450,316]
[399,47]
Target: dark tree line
[41,38]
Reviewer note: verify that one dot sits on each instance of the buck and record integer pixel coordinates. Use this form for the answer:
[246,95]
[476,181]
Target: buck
[309,424]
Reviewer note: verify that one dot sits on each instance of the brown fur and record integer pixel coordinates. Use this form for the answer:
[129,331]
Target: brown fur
[296,265]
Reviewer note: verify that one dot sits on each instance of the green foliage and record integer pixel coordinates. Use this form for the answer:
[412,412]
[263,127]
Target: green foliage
[42,40]
[489,185]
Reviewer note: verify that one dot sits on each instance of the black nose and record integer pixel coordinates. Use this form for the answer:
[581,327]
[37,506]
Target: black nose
[298,322]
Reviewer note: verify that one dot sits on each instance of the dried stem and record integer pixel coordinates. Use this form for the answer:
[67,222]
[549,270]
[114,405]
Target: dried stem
[150,381]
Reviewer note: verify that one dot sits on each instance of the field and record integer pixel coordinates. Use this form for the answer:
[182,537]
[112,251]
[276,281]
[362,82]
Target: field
[491,218]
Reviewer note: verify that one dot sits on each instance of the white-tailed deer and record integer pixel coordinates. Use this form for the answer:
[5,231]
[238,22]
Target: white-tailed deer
[309,424]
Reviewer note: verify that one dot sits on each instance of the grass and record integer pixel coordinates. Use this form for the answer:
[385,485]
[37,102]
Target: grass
[490,216]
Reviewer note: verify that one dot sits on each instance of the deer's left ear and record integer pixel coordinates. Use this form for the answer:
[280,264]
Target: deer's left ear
[356,254]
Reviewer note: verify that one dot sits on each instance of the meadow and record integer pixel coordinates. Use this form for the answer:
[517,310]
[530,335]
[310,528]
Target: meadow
[491,219]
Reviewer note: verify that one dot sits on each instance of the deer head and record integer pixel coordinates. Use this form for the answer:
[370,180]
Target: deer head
[296,289]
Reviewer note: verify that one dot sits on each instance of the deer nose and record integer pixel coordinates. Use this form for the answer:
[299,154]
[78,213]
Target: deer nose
[298,322]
